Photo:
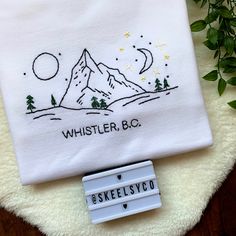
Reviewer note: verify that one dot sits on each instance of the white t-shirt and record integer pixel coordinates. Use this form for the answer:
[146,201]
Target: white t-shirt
[94,84]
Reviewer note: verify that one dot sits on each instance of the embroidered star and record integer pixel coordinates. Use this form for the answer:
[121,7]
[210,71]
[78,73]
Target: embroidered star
[160,46]
[143,78]
[127,34]
[122,49]
[167,57]
[129,67]
[156,72]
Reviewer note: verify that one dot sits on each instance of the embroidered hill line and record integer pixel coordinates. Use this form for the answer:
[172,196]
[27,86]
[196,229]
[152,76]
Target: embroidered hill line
[55,119]
[40,110]
[135,100]
[81,109]
[142,94]
[50,114]
[93,113]
[124,99]
[149,100]
[67,108]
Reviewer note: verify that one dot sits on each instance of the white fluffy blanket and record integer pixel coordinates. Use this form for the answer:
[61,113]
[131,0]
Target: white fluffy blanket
[187,181]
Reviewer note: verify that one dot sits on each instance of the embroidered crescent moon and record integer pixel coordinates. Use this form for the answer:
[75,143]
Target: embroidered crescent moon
[148,59]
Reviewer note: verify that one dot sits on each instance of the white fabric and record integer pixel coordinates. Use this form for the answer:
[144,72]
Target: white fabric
[125,46]
[187,181]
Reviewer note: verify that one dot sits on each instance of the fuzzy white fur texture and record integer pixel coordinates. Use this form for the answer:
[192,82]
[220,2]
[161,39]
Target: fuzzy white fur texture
[187,181]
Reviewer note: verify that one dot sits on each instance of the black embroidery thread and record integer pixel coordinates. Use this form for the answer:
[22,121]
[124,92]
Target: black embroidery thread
[34,65]
[148,55]
[100,98]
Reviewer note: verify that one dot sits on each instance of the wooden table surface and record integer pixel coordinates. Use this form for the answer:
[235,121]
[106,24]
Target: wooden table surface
[219,219]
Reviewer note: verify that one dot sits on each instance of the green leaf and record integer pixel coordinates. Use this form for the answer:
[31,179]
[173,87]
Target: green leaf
[212,76]
[221,86]
[210,45]
[218,2]
[228,62]
[212,16]
[203,3]
[224,12]
[198,26]
[221,37]
[232,81]
[229,44]
[233,22]
[232,104]
[229,69]
[212,35]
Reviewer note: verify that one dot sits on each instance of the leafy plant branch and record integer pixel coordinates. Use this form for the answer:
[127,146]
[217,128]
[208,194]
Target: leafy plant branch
[220,23]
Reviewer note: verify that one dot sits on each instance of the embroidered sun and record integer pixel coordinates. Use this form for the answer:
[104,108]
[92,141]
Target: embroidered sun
[45,66]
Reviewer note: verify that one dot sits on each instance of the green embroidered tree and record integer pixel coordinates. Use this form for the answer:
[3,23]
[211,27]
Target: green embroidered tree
[103,104]
[166,85]
[158,85]
[53,101]
[95,103]
[30,102]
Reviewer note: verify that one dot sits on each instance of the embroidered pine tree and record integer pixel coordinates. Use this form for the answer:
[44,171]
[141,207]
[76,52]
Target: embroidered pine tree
[158,85]
[103,104]
[95,103]
[53,101]
[166,84]
[30,103]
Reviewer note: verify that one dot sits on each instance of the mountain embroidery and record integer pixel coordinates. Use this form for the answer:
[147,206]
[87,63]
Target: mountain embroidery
[97,89]
[89,80]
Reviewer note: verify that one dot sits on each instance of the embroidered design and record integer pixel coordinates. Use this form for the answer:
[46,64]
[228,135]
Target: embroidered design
[156,72]
[166,57]
[160,46]
[53,101]
[30,103]
[127,34]
[129,67]
[148,59]
[143,78]
[45,60]
[95,88]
